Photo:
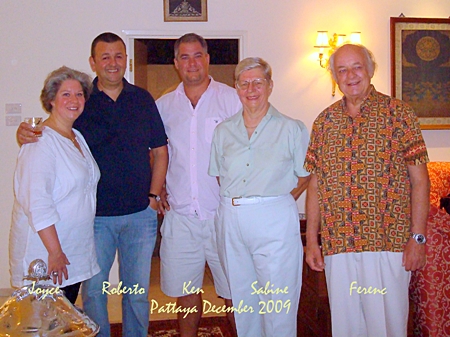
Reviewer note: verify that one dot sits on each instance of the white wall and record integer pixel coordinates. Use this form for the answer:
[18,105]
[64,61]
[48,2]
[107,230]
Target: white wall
[39,36]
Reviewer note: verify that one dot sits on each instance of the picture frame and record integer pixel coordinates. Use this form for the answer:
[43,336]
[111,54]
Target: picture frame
[185,10]
[420,68]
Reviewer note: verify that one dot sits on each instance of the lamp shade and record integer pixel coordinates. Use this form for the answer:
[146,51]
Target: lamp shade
[340,39]
[355,37]
[322,39]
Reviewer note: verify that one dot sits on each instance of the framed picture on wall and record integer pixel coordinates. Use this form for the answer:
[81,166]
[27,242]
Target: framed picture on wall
[185,10]
[420,68]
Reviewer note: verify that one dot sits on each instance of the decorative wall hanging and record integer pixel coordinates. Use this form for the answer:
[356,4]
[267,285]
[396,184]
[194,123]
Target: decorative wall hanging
[420,68]
[185,10]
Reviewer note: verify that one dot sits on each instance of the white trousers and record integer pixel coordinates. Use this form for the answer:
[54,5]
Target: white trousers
[368,294]
[261,251]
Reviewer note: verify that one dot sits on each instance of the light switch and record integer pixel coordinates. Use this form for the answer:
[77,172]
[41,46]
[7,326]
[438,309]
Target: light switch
[12,120]
[13,108]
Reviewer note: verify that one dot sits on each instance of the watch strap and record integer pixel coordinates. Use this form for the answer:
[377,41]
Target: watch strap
[151,195]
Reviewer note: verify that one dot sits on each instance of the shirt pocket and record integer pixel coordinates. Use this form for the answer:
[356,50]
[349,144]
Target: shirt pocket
[210,125]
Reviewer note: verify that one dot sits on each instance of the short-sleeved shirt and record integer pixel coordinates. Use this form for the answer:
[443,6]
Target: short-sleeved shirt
[361,165]
[267,164]
[120,134]
[192,192]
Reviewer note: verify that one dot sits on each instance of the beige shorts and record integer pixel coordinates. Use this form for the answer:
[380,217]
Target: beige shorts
[187,244]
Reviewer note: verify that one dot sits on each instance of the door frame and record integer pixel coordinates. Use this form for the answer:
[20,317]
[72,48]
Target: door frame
[131,35]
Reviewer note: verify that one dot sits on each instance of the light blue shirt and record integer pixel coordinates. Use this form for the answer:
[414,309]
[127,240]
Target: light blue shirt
[267,164]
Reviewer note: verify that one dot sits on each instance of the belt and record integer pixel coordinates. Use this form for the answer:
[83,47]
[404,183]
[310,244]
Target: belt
[238,201]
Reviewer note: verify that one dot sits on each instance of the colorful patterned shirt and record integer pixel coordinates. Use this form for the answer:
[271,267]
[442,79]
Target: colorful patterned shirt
[361,165]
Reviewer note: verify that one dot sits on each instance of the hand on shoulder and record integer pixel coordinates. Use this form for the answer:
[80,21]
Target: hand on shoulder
[25,134]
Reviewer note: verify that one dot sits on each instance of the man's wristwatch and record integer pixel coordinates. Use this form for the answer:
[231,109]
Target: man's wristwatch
[420,238]
[151,195]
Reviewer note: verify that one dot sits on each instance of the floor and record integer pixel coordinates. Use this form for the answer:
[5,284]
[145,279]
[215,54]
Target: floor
[158,301]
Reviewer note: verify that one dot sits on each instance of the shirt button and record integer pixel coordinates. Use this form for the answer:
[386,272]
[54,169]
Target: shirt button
[243,180]
[248,164]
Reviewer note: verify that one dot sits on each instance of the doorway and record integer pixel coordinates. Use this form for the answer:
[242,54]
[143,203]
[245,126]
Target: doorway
[151,58]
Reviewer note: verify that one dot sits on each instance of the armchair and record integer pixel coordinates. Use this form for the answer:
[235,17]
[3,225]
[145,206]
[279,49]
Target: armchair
[430,286]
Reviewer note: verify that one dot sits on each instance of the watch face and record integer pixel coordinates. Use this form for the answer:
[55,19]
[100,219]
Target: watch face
[420,238]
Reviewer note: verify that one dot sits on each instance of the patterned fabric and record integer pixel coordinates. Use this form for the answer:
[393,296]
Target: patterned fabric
[439,173]
[361,166]
[430,286]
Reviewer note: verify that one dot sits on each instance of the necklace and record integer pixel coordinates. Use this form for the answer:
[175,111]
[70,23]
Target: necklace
[71,135]
[73,138]
[250,127]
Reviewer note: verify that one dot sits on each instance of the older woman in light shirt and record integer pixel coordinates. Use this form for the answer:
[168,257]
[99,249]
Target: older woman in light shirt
[55,187]
[257,156]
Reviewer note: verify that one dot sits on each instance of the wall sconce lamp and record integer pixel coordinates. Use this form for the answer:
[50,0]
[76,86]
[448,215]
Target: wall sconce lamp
[323,42]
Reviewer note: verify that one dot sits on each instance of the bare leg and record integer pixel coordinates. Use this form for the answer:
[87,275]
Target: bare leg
[189,324]
[230,316]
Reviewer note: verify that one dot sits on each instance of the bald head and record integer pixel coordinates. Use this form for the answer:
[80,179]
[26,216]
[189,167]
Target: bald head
[356,48]
[352,67]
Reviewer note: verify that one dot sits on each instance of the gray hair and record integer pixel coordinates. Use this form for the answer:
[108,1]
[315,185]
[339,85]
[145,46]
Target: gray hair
[252,63]
[370,59]
[54,81]
[190,38]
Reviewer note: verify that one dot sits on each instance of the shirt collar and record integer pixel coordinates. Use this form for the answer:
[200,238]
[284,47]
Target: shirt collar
[95,90]
[180,88]
[272,112]
[366,101]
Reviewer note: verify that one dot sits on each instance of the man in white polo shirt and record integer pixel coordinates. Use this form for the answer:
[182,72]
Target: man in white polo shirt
[190,114]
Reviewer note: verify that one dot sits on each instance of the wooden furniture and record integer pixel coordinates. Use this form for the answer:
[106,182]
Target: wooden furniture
[314,308]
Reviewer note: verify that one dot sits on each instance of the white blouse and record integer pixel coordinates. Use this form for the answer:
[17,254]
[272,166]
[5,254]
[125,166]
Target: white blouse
[54,184]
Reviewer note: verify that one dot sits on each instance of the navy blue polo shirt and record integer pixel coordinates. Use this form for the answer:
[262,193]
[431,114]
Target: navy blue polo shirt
[119,134]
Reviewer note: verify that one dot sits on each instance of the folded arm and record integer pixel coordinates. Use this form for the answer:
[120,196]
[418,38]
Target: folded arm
[302,184]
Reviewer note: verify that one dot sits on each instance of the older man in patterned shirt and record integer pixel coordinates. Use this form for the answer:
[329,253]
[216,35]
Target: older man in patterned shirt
[368,199]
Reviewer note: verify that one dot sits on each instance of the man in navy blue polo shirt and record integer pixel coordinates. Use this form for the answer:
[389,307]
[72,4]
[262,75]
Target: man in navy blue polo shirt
[121,125]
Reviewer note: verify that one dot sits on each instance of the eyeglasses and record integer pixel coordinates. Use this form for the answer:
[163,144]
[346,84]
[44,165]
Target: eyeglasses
[257,83]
